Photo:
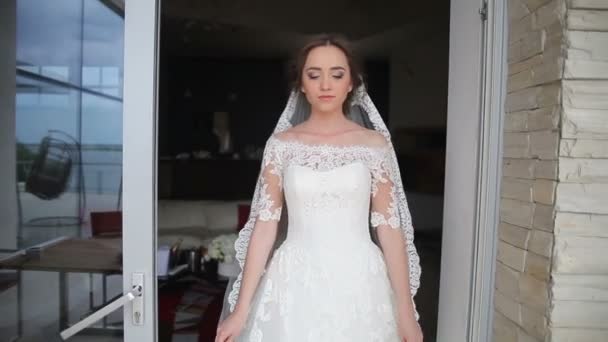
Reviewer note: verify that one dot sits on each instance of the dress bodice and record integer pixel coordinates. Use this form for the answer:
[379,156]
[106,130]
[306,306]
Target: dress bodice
[328,204]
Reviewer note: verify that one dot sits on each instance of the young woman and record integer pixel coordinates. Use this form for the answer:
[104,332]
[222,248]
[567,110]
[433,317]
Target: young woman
[347,269]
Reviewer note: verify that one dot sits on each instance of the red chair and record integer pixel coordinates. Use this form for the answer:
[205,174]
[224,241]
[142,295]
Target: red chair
[243,215]
[106,223]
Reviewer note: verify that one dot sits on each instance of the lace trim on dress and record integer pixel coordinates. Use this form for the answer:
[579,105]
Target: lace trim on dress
[265,211]
[325,157]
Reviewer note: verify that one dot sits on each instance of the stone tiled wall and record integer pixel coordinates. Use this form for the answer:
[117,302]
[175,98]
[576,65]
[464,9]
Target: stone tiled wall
[579,291]
[552,264]
[530,170]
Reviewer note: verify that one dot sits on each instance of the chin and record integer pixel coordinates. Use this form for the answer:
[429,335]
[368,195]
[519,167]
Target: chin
[327,107]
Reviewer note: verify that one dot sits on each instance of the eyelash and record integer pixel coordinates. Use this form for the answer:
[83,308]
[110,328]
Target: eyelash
[314,77]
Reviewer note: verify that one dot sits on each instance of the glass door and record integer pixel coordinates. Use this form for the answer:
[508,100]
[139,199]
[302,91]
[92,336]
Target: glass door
[77,110]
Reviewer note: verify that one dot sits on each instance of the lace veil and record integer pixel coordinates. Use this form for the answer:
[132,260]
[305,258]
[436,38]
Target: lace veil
[364,112]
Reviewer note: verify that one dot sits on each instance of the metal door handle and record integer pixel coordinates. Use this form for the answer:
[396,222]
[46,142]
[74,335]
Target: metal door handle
[134,295]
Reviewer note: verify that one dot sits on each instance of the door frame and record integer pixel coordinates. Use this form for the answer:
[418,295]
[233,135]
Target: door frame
[139,161]
[476,92]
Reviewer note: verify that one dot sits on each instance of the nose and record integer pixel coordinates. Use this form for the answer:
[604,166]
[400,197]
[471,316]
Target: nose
[325,83]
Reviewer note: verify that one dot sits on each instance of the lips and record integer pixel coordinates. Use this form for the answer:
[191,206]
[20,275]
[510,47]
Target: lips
[326,97]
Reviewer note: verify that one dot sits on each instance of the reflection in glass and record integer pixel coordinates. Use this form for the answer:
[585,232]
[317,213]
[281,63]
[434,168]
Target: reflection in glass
[68,61]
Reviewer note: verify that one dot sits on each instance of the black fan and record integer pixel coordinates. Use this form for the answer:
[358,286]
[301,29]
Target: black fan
[50,173]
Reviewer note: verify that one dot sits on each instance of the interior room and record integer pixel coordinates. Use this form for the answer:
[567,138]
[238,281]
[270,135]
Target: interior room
[222,87]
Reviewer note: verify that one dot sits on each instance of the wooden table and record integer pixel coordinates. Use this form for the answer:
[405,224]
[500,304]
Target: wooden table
[94,255]
[71,255]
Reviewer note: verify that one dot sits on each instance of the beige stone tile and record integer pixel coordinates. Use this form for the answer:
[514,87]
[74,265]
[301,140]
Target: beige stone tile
[507,281]
[525,64]
[578,314]
[584,123]
[535,97]
[580,287]
[538,266]
[504,329]
[578,335]
[544,144]
[583,170]
[516,212]
[546,169]
[544,191]
[580,255]
[517,189]
[534,323]
[586,45]
[585,69]
[541,243]
[507,306]
[588,4]
[584,225]
[585,94]
[519,28]
[519,168]
[544,118]
[583,148]
[582,198]
[511,256]
[543,217]
[587,20]
[514,235]
[516,145]
[533,293]
[517,10]
[548,14]
[516,122]
[533,5]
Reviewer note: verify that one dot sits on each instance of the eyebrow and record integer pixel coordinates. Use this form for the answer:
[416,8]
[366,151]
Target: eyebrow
[332,68]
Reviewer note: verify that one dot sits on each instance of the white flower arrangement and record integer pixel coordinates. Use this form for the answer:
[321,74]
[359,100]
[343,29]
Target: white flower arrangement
[221,248]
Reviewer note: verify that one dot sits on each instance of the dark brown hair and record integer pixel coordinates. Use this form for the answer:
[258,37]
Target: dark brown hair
[327,39]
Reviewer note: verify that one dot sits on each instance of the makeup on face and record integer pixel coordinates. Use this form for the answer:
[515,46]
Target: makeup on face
[336,72]
[326,78]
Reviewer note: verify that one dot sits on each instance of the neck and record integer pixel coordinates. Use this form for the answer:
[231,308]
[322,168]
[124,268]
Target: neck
[327,122]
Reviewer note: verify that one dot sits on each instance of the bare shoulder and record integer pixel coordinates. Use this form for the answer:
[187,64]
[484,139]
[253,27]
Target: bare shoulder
[285,135]
[374,138]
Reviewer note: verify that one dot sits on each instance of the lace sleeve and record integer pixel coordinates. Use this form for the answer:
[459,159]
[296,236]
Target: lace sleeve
[383,202]
[270,198]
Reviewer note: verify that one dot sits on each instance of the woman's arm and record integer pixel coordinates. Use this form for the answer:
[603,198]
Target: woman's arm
[267,212]
[385,219]
[393,246]
[261,242]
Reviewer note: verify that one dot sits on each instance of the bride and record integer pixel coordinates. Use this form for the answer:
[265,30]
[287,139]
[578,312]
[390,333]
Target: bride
[330,211]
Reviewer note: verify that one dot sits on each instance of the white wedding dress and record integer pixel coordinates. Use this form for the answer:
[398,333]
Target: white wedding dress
[328,280]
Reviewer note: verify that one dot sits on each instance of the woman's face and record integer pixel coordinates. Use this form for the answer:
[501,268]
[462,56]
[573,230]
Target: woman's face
[326,79]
